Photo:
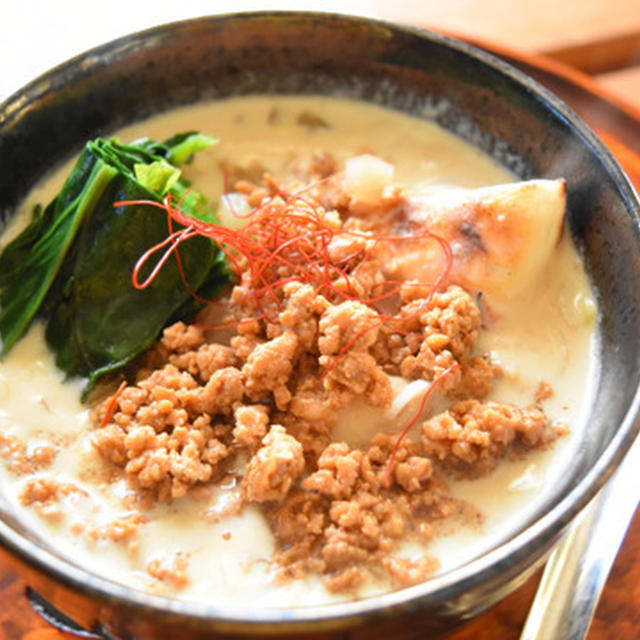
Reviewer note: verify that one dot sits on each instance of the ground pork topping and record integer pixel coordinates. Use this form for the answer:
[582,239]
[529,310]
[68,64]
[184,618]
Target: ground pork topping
[222,390]
[123,530]
[449,323]
[180,337]
[204,361]
[434,334]
[303,308]
[269,367]
[307,339]
[22,458]
[471,436]
[274,468]
[344,519]
[163,433]
[347,331]
[252,422]
[46,495]
[170,569]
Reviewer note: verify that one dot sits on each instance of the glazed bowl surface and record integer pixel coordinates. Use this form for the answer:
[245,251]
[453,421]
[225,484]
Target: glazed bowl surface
[466,91]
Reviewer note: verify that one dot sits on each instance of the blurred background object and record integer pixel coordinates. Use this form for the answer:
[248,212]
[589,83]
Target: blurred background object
[597,36]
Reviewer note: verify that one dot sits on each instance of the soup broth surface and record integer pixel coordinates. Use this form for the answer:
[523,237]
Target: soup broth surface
[544,333]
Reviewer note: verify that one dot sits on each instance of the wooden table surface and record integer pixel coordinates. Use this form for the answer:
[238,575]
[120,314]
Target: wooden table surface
[596,46]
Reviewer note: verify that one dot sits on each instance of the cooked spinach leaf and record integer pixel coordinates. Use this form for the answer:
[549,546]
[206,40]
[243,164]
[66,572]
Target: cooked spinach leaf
[73,264]
[182,147]
[29,264]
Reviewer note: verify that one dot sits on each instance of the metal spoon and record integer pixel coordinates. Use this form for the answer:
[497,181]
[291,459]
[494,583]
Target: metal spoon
[577,569]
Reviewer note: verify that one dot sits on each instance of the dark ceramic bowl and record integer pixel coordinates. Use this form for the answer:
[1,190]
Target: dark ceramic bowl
[466,91]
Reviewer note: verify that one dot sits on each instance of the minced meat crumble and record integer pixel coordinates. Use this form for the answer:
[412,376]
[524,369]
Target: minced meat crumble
[262,406]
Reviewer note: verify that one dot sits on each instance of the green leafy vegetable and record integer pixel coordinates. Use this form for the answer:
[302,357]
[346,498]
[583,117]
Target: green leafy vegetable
[29,264]
[183,146]
[73,264]
[157,176]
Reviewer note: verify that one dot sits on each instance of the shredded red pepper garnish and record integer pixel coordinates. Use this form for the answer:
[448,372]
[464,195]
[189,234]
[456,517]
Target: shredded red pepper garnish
[405,431]
[111,406]
[287,239]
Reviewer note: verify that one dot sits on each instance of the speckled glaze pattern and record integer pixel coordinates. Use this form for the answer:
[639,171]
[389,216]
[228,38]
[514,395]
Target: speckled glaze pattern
[476,96]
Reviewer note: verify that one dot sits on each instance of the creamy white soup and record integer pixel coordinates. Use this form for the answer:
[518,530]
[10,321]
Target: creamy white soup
[538,328]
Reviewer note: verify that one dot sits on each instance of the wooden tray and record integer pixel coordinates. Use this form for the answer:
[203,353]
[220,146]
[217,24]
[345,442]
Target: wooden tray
[618,614]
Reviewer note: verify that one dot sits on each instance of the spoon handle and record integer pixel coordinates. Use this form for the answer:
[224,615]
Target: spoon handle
[578,567]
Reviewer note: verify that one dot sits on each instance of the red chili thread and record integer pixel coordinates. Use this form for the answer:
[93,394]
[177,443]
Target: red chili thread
[173,240]
[405,431]
[111,407]
[290,243]
[183,276]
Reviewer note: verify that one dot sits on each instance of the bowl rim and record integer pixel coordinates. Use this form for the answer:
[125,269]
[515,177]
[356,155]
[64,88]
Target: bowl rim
[540,533]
